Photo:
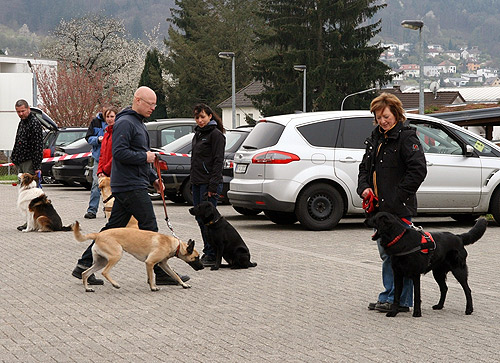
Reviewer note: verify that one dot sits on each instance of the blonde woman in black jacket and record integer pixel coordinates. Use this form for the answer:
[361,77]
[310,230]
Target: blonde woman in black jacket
[207,162]
[392,169]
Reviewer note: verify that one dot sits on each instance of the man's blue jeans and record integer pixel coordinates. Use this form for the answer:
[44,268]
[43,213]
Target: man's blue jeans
[199,195]
[95,193]
[388,280]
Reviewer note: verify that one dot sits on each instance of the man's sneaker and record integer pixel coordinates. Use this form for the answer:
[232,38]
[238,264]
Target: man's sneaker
[167,280]
[92,280]
[387,306]
[23,227]
[372,306]
[89,215]
[207,261]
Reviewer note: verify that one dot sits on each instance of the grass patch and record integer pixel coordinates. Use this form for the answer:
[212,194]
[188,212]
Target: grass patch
[8,177]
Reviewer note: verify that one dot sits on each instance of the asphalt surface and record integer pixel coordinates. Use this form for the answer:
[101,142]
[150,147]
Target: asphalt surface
[306,301]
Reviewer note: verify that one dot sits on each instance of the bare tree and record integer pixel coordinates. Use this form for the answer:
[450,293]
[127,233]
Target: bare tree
[71,95]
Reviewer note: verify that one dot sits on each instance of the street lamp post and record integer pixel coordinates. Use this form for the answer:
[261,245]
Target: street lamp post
[418,25]
[35,86]
[355,93]
[230,55]
[302,68]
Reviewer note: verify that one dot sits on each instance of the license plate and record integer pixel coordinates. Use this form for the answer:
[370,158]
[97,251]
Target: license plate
[240,168]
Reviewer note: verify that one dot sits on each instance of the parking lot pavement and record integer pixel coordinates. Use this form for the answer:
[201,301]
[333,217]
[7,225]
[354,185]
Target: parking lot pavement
[306,301]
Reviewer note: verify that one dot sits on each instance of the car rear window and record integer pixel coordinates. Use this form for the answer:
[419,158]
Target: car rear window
[264,134]
[322,133]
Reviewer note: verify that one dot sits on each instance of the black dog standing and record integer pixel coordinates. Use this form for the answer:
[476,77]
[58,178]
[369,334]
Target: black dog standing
[223,237]
[413,254]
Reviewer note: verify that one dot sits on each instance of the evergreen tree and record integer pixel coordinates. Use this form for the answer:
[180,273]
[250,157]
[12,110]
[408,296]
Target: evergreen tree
[152,77]
[332,39]
[200,30]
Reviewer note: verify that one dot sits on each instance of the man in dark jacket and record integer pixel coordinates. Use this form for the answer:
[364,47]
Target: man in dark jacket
[27,152]
[131,175]
[94,136]
[28,147]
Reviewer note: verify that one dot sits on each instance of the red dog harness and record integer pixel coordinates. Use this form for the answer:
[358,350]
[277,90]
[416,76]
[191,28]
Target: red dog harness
[427,243]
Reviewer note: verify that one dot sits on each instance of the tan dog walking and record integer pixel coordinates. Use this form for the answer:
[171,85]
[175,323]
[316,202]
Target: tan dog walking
[149,247]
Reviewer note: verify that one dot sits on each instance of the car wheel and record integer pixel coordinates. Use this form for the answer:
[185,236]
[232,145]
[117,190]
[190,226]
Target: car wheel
[282,218]
[464,218]
[187,193]
[246,211]
[176,198]
[495,206]
[319,207]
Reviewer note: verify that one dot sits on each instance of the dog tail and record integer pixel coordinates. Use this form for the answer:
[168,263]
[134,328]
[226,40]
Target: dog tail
[78,234]
[475,233]
[67,228]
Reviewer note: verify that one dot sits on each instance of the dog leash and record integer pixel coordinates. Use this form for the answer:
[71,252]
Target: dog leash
[162,165]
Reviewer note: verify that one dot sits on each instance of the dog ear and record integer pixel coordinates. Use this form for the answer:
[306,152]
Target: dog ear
[190,247]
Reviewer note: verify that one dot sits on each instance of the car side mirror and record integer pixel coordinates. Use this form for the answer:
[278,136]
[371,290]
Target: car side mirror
[469,150]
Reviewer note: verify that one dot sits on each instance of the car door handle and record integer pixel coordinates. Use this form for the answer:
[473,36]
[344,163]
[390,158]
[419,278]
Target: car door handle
[429,163]
[347,160]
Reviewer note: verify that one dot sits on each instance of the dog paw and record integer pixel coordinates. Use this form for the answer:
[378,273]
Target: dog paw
[437,307]
[116,286]
[89,290]
[391,314]
[186,286]
[468,311]
[214,268]
[417,314]
[155,288]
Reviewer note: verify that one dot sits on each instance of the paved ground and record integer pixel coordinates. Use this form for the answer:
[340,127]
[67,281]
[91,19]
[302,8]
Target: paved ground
[306,301]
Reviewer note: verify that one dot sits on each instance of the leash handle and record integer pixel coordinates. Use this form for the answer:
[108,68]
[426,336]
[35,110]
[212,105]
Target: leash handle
[369,202]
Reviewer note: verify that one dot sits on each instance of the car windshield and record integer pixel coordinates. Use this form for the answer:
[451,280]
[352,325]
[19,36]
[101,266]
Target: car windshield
[66,138]
[179,144]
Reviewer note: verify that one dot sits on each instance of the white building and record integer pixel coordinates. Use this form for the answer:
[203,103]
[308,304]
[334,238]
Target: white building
[16,82]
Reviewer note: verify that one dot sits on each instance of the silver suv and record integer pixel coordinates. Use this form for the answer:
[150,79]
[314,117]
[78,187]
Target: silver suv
[304,167]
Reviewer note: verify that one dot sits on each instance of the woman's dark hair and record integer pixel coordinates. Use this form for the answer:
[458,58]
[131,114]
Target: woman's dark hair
[110,109]
[200,107]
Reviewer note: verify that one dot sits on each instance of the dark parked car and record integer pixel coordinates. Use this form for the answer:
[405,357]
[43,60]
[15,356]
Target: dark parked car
[72,171]
[176,178]
[54,138]
[164,131]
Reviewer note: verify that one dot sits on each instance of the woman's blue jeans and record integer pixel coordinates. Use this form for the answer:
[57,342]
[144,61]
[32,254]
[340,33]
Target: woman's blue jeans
[388,280]
[200,195]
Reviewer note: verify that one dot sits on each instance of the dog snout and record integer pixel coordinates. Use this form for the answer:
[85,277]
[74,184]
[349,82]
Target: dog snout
[191,211]
[196,265]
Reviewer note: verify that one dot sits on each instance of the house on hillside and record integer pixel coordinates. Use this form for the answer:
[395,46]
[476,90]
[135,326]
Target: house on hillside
[447,67]
[410,70]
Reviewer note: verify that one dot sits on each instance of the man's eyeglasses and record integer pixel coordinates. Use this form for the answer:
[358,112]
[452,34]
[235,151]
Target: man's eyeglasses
[151,104]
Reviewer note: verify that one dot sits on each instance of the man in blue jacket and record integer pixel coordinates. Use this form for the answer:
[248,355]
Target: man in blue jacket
[131,175]
[94,136]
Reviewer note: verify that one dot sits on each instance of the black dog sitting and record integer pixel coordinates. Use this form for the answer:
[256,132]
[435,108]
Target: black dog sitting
[226,241]
[413,253]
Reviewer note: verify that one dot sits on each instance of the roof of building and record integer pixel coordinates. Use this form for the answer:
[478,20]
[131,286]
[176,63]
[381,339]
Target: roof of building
[475,94]
[242,99]
[410,100]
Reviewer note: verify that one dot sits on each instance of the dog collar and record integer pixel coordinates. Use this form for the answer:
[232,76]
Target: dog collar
[212,222]
[178,249]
